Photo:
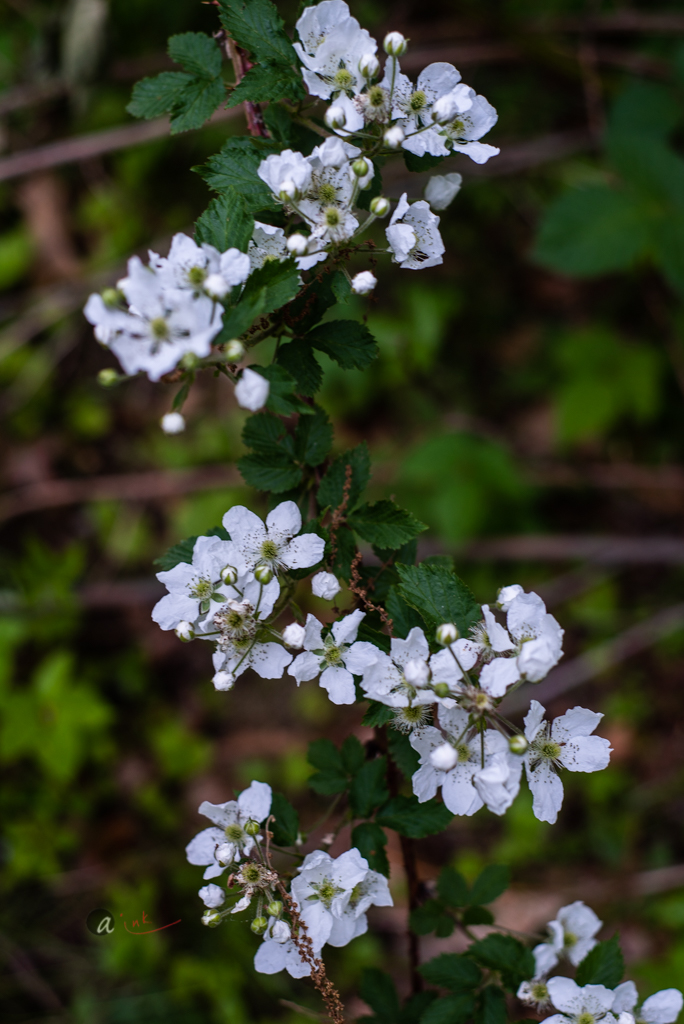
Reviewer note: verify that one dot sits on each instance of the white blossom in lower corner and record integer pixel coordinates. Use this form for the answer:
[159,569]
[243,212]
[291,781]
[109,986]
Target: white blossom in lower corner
[337,657]
[661,1008]
[252,389]
[226,841]
[325,585]
[589,1004]
[564,743]
[572,934]
[413,236]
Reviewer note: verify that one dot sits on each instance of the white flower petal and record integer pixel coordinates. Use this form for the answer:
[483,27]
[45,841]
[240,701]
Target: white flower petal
[305,666]
[662,1008]
[339,683]
[255,801]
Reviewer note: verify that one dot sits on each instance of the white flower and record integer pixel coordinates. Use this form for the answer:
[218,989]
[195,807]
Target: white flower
[193,586]
[326,205]
[293,635]
[212,896]
[447,666]
[172,423]
[586,1005]
[566,743]
[325,585]
[270,243]
[414,107]
[276,544]
[534,993]
[191,266]
[385,679]
[442,189]
[273,956]
[251,391]
[241,644]
[463,133]
[469,783]
[364,282]
[334,895]
[281,170]
[662,1008]
[331,49]
[253,804]
[337,657]
[572,934]
[160,326]
[413,236]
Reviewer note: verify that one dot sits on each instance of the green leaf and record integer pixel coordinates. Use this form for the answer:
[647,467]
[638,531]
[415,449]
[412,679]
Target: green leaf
[385,524]
[318,296]
[403,617]
[353,755]
[593,230]
[409,818]
[491,1007]
[377,989]
[603,965]
[348,342]
[453,888]
[197,53]
[431,917]
[299,360]
[267,435]
[421,163]
[494,880]
[644,109]
[323,754]
[377,715]
[450,1010]
[439,595]
[269,472]
[341,286]
[234,170]
[477,915]
[415,1006]
[370,840]
[267,289]
[225,223]
[402,753]
[328,782]
[369,788]
[452,971]
[199,102]
[285,828]
[331,490]
[313,437]
[267,83]
[181,552]
[153,97]
[281,397]
[505,954]
[257,27]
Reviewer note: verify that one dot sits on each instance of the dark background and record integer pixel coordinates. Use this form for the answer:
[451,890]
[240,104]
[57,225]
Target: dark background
[527,407]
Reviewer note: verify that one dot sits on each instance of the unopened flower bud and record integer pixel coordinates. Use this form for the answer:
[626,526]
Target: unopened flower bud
[189,361]
[112,297]
[335,117]
[280,931]
[417,673]
[298,244]
[441,689]
[229,574]
[288,190]
[363,282]
[263,574]
[108,378]
[274,909]
[172,423]
[518,744]
[252,827]
[360,167]
[443,758]
[216,286]
[211,918]
[380,206]
[235,350]
[224,854]
[325,585]
[447,634]
[394,44]
[394,137]
[369,66]
[184,631]
[259,925]
[445,108]
[293,635]
[223,681]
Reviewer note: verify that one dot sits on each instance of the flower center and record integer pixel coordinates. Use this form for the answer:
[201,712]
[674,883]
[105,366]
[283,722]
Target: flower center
[250,874]
[202,589]
[376,96]
[327,193]
[234,833]
[539,991]
[570,940]
[333,654]
[332,217]
[411,717]
[549,750]
[159,328]
[196,276]
[457,127]
[269,550]
[344,79]
[418,100]
[357,892]
[585,1018]
[464,753]
[325,891]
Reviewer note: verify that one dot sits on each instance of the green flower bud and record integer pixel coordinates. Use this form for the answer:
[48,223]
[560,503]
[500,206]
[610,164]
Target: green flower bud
[518,744]
[212,919]
[108,378]
[274,909]
[235,350]
[441,689]
[229,574]
[112,297]
[252,827]
[447,633]
[189,361]
[380,206]
[263,574]
[360,167]
[259,925]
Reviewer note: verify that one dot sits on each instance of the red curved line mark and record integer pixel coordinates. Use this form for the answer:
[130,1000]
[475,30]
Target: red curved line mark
[153,930]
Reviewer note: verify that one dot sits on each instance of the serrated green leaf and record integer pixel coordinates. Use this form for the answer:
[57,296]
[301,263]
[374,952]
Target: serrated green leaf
[328,782]
[266,83]
[493,881]
[234,169]
[198,103]
[377,989]
[285,828]
[453,888]
[430,917]
[415,1006]
[267,435]
[403,617]
[369,787]
[299,360]
[197,53]
[477,915]
[267,289]
[450,1010]
[491,1008]
[257,27]
[603,965]
[267,474]
[324,755]
[153,97]
[439,595]
[377,715]
[341,286]
[402,753]
[452,971]
[385,524]
[225,223]
[313,438]
[409,818]
[370,840]
[319,295]
[353,755]
[505,954]
[281,396]
[331,490]
[181,552]
[348,342]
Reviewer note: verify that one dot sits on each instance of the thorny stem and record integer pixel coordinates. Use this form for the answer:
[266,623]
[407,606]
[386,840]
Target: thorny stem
[355,585]
[241,65]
